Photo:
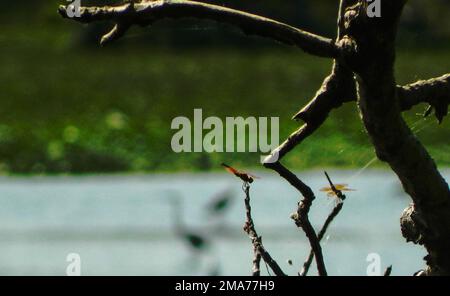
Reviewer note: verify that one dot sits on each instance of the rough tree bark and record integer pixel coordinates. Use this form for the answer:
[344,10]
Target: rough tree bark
[373,62]
[363,71]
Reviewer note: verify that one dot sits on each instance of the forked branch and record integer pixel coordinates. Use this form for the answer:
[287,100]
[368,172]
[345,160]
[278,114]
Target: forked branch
[340,197]
[147,12]
[301,217]
[339,88]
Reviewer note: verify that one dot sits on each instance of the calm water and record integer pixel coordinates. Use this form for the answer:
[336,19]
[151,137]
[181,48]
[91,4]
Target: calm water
[124,225]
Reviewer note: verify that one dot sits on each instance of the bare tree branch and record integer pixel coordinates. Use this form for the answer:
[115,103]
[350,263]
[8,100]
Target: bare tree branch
[334,213]
[365,46]
[291,142]
[339,87]
[301,217]
[336,210]
[147,12]
[435,91]
[258,247]
[393,140]
[256,270]
[388,271]
[117,32]
[336,89]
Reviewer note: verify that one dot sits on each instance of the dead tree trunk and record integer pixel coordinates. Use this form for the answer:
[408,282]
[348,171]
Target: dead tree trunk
[364,57]
[373,63]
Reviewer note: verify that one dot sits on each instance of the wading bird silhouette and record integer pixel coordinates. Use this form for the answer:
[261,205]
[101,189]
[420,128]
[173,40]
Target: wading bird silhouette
[203,257]
[220,202]
[195,240]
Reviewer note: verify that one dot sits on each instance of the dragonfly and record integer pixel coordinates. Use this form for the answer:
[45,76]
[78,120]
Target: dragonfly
[340,187]
[246,177]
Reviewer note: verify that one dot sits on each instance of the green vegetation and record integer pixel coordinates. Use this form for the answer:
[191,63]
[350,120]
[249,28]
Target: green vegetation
[71,109]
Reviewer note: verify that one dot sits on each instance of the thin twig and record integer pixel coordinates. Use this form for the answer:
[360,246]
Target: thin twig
[388,271]
[338,193]
[249,228]
[336,210]
[258,247]
[256,271]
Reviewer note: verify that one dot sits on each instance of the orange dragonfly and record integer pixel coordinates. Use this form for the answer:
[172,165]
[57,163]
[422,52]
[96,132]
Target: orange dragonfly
[341,187]
[246,177]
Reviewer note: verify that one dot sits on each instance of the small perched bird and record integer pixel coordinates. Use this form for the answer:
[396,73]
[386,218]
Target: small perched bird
[246,177]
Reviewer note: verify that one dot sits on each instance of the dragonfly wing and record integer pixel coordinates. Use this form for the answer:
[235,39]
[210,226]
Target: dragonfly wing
[341,186]
[253,176]
[230,169]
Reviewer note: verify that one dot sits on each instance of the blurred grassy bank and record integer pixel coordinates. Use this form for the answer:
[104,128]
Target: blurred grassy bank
[71,109]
